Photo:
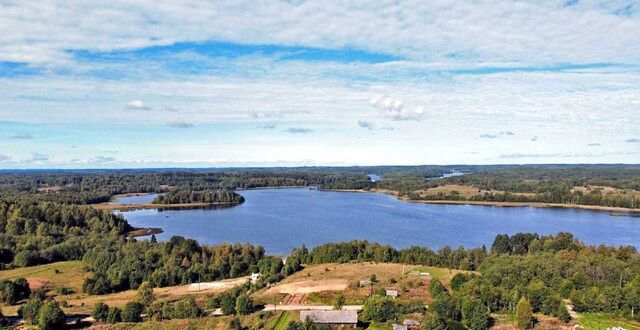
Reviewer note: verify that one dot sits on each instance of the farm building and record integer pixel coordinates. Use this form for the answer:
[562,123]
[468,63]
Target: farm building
[411,324]
[392,293]
[399,327]
[344,318]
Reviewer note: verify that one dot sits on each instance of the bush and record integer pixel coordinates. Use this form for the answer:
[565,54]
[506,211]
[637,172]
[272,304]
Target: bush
[474,314]
[563,313]
[380,309]
[433,321]
[131,312]
[100,312]
[339,301]
[227,304]
[244,305]
[114,315]
[145,293]
[30,311]
[436,288]
[185,309]
[524,314]
[51,316]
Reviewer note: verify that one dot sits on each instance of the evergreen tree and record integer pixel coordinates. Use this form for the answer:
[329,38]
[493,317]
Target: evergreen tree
[524,314]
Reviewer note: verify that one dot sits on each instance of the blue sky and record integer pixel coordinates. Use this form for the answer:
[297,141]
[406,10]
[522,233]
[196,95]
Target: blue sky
[198,84]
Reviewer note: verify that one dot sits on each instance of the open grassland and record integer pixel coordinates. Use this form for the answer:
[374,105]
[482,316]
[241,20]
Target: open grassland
[84,303]
[319,284]
[596,321]
[259,320]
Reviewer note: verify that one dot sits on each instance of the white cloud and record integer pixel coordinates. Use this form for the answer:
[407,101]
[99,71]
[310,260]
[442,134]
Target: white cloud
[394,109]
[298,130]
[4,158]
[442,30]
[137,105]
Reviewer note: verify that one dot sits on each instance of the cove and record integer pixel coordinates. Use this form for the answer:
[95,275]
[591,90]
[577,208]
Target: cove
[282,219]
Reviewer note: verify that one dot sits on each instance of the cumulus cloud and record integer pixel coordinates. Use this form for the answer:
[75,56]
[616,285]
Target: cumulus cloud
[180,124]
[394,109]
[633,140]
[4,158]
[298,130]
[137,105]
[23,136]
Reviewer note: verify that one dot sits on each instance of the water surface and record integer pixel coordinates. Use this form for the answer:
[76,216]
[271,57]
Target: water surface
[281,219]
[140,199]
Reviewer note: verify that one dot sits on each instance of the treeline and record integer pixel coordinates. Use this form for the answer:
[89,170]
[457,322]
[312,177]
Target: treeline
[542,269]
[126,264]
[608,186]
[99,186]
[205,196]
[38,233]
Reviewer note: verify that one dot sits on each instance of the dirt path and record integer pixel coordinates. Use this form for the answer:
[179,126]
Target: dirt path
[310,286]
[307,307]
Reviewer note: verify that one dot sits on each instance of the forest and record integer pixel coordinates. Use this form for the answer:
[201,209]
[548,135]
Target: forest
[206,196]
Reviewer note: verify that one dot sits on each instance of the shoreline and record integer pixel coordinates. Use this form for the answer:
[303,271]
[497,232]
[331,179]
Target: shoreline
[600,208]
[146,206]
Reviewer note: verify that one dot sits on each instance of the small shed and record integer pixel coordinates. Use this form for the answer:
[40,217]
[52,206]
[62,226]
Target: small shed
[399,327]
[255,277]
[343,318]
[392,293]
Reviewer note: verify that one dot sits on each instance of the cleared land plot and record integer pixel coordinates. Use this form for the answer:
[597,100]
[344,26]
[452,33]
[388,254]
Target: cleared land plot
[84,303]
[320,283]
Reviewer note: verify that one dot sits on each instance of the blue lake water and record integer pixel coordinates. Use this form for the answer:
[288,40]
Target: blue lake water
[281,219]
[141,199]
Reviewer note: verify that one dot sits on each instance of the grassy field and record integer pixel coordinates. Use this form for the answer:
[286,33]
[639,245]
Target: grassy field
[388,276]
[282,321]
[596,321]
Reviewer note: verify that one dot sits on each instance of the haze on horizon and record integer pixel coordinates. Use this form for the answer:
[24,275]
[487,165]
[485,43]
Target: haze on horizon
[190,84]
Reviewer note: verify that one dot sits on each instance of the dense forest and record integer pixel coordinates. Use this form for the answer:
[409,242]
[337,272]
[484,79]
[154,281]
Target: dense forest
[205,196]
[86,187]
[36,233]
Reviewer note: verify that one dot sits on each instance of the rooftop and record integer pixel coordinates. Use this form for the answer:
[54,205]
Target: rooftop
[331,317]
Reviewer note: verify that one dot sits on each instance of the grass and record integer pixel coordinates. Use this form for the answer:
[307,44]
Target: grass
[282,321]
[68,274]
[378,326]
[597,321]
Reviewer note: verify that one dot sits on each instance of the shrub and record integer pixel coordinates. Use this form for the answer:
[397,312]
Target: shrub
[51,316]
[131,312]
[30,311]
[244,305]
[114,315]
[524,314]
[380,309]
[474,314]
[100,312]
[145,293]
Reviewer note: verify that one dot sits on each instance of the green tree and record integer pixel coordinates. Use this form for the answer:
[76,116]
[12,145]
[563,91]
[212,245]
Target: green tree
[524,314]
[114,315]
[51,316]
[436,288]
[100,312]
[244,305]
[380,309]
[474,314]
[339,301]
[131,312]
[145,293]
[235,324]
[563,313]
[433,321]
[30,311]
[227,304]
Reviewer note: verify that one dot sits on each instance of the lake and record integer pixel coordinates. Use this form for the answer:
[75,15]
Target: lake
[281,219]
[128,200]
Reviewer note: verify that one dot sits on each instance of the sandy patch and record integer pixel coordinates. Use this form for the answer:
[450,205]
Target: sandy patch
[310,286]
[36,283]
